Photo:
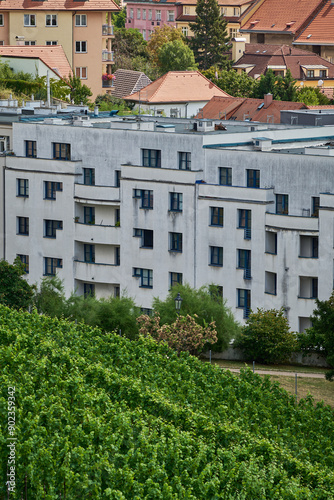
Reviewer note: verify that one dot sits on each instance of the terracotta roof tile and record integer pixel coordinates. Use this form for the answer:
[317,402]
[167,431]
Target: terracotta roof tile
[104,5]
[277,15]
[241,109]
[53,56]
[320,29]
[222,3]
[178,86]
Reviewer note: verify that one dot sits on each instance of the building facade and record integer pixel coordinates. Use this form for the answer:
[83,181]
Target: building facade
[114,206]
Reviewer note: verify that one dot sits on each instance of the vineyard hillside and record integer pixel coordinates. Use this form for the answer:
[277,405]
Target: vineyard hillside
[101,417]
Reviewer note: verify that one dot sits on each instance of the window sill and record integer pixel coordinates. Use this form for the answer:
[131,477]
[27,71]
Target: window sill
[216,265]
[50,237]
[145,286]
[22,196]
[22,234]
[146,208]
[271,253]
[270,293]
[307,298]
[216,225]
[147,248]
[174,251]
[306,257]
[175,211]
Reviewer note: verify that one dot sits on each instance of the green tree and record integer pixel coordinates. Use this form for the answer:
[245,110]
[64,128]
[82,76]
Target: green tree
[176,56]
[50,298]
[286,87]
[311,96]
[320,337]
[78,93]
[15,291]
[266,85]
[235,84]
[128,44]
[266,338]
[159,37]
[208,306]
[210,41]
[119,18]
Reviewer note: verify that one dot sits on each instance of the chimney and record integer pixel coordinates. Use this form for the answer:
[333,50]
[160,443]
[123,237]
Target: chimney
[19,40]
[268,99]
[238,48]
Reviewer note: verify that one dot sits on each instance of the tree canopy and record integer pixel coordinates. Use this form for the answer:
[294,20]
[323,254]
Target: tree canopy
[176,56]
[159,37]
[15,291]
[231,82]
[210,41]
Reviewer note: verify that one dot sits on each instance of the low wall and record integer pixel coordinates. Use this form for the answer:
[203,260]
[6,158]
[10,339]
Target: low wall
[297,358]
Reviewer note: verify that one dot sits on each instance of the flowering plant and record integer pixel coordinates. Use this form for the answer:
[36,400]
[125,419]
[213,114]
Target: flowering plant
[106,77]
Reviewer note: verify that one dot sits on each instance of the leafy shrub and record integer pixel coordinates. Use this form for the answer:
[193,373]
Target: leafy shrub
[266,338]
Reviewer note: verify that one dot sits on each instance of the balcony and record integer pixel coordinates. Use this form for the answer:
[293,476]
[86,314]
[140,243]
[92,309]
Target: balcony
[98,234]
[107,30]
[107,56]
[295,223]
[96,272]
[97,195]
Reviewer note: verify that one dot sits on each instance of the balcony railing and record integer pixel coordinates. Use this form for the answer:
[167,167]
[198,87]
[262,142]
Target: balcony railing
[107,30]
[247,274]
[107,56]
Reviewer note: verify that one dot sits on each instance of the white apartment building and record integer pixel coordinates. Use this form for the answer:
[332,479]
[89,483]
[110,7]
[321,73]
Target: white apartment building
[126,206]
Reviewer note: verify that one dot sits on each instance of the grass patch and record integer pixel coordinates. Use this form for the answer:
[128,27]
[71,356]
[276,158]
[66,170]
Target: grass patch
[320,389]
[284,368]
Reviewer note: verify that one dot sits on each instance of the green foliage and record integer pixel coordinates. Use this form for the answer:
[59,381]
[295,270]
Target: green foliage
[282,88]
[14,290]
[286,87]
[50,298]
[206,304]
[107,102]
[184,335]
[312,96]
[21,86]
[78,93]
[320,337]
[231,82]
[58,89]
[128,44]
[266,338]
[119,18]
[210,41]
[176,56]
[159,37]
[99,416]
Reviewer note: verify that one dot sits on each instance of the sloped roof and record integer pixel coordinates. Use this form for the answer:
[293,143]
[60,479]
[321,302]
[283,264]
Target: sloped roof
[128,82]
[178,86]
[51,55]
[263,56]
[222,3]
[104,5]
[320,30]
[287,16]
[241,109]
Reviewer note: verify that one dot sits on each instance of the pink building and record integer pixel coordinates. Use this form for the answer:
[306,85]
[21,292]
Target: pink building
[145,15]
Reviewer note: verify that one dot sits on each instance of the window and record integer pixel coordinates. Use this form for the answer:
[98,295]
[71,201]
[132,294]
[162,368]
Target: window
[145,275]
[323,73]
[117,256]
[117,290]
[2,42]
[89,176]
[29,19]
[175,279]
[50,189]
[117,216]
[144,16]
[51,20]
[51,42]
[80,46]
[223,11]
[30,42]
[310,73]
[89,215]
[81,20]
[185,30]
[150,15]
[138,14]
[146,236]
[117,178]
[270,283]
[151,158]
[282,204]
[51,265]
[23,225]
[245,222]
[186,10]
[271,242]
[158,15]
[236,11]
[81,72]
[244,262]
[25,260]
[216,216]
[233,32]
[1,20]
[131,14]
[61,151]
[147,311]
[22,187]
[315,206]
[244,301]
[89,253]
[175,202]
[253,178]
[309,247]
[216,292]
[184,161]
[51,226]
[308,287]
[170,16]
[89,289]
[31,151]
[216,256]
[144,34]
[175,242]
[225,176]
[146,197]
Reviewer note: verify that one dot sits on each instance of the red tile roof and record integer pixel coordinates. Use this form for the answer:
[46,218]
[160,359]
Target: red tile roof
[178,86]
[261,56]
[287,16]
[104,5]
[320,30]
[241,109]
[221,3]
[53,56]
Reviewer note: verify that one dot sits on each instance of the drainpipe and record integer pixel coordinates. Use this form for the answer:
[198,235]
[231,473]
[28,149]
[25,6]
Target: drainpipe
[186,110]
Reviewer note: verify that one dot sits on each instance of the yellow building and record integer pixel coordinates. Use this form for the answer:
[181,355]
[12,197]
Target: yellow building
[84,29]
